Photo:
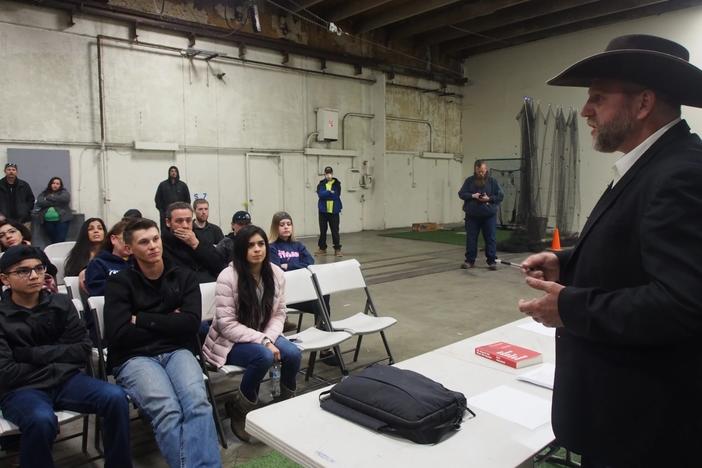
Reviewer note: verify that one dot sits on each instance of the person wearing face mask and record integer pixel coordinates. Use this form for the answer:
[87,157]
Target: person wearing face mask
[329,205]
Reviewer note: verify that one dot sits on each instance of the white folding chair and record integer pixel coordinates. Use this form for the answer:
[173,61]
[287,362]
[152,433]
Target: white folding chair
[58,262]
[96,304]
[300,288]
[73,286]
[336,277]
[59,249]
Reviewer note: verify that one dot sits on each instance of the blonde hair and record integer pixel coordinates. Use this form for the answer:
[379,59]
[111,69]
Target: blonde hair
[275,223]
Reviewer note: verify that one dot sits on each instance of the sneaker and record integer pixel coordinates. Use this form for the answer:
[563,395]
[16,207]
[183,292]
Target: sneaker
[492,266]
[467,265]
[320,252]
[337,253]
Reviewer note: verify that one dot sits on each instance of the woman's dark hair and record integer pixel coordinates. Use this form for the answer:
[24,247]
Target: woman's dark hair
[252,313]
[48,186]
[79,256]
[26,233]
[116,230]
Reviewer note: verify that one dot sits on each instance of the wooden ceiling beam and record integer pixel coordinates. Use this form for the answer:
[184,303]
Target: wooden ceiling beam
[514,15]
[591,23]
[353,8]
[453,16]
[402,12]
[306,4]
[572,16]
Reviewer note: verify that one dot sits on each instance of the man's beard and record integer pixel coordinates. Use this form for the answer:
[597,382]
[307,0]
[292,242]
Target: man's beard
[479,180]
[611,135]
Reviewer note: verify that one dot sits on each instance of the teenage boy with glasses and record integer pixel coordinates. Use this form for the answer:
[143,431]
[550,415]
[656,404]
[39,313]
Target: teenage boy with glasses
[43,346]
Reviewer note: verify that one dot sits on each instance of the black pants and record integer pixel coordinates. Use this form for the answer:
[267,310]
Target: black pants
[331,219]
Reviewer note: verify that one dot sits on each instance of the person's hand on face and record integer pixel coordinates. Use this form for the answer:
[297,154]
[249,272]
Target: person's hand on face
[188,236]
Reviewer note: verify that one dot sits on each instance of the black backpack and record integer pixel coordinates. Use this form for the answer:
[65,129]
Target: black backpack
[398,402]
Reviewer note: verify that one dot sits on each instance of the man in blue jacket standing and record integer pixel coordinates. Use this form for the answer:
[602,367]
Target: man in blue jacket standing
[481,195]
[329,193]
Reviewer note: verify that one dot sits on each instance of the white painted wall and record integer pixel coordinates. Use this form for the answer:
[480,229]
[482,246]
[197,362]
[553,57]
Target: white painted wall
[501,79]
[49,99]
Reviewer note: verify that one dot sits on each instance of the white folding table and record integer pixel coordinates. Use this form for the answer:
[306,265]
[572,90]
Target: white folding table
[302,431]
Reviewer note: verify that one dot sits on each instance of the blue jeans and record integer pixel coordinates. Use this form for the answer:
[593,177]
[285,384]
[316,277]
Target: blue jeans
[258,359]
[170,390]
[33,412]
[489,227]
[56,231]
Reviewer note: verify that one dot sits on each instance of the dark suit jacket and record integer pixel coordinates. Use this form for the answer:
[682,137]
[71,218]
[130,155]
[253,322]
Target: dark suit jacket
[628,386]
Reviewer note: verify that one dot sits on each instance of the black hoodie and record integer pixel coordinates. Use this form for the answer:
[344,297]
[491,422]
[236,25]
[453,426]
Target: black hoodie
[171,191]
[168,313]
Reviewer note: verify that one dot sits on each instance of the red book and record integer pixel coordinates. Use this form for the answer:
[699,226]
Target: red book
[509,354]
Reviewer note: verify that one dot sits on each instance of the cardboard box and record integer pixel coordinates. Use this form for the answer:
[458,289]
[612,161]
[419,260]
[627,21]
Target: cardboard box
[421,227]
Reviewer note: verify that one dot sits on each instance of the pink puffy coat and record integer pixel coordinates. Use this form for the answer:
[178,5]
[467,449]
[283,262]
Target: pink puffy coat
[226,330]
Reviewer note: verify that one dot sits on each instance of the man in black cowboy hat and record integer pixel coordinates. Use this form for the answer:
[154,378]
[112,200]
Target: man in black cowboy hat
[626,299]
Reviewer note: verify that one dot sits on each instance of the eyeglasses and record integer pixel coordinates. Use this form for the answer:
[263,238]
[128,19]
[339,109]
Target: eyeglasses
[25,273]
[8,232]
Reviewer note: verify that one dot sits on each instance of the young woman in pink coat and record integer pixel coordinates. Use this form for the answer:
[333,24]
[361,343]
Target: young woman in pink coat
[248,327]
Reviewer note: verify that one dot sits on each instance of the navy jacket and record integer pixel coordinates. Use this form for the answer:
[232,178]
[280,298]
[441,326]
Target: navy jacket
[295,254]
[333,195]
[478,209]
[104,264]
[40,347]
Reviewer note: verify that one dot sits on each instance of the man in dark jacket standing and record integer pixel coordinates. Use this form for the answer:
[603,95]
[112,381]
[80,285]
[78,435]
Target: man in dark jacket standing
[626,299]
[16,197]
[152,315]
[170,191]
[183,248]
[329,205]
[43,346]
[481,195]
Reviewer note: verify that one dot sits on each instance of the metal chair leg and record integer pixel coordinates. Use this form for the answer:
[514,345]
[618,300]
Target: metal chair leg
[387,348]
[358,348]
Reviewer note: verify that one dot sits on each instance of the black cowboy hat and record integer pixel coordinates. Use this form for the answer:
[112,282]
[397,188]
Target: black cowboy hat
[651,61]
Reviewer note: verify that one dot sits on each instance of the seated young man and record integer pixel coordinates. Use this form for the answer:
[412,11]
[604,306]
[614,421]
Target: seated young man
[183,248]
[152,313]
[43,346]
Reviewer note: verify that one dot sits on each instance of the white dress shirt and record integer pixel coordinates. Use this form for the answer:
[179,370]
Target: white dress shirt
[624,163]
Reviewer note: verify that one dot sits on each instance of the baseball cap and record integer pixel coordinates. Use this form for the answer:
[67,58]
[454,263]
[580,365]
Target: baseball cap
[10,164]
[16,254]
[241,217]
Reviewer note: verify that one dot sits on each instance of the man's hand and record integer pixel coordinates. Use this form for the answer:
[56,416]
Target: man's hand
[274,350]
[543,266]
[544,309]
[188,236]
[476,195]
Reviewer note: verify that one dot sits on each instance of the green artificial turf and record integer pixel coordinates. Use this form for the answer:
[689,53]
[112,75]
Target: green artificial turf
[444,236]
[270,460]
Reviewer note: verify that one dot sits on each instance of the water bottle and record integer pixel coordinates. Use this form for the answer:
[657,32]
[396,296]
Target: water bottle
[275,379]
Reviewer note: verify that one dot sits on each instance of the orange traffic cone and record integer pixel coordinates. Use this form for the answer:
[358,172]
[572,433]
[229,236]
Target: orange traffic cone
[556,242]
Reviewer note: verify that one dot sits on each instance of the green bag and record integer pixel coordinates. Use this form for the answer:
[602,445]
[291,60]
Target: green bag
[51,214]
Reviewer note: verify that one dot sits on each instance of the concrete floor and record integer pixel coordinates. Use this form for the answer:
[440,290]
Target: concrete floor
[419,283]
